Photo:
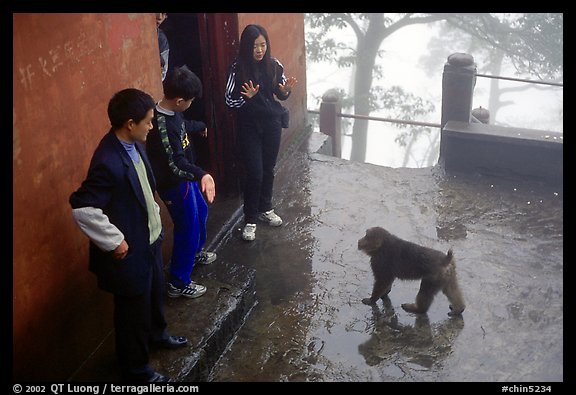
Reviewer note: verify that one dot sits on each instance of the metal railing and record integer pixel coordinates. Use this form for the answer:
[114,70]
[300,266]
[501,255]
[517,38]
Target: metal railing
[457,92]
[330,125]
[521,80]
[371,118]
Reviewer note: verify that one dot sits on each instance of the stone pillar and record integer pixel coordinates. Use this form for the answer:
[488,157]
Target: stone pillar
[458,83]
[330,120]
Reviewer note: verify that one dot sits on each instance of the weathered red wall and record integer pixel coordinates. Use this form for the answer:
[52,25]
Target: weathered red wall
[65,69]
[286,33]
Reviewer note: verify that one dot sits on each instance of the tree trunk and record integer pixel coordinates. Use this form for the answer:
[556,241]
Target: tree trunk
[494,97]
[365,60]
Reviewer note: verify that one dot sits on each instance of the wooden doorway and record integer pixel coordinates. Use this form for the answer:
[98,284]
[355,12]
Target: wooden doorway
[207,44]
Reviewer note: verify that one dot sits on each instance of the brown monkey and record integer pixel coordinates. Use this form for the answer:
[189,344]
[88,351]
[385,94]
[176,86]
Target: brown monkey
[391,258]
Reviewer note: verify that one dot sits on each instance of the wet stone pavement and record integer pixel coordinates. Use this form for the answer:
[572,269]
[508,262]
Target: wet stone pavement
[297,289]
[309,323]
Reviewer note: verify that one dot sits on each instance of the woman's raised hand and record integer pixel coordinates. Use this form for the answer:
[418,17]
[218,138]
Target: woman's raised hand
[249,90]
[288,85]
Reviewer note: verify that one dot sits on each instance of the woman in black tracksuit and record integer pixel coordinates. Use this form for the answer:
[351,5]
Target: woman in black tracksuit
[253,80]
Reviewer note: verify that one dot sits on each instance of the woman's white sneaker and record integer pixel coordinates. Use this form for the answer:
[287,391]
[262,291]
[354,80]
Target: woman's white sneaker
[271,218]
[249,232]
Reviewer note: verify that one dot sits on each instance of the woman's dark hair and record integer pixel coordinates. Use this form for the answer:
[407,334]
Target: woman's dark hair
[129,104]
[181,82]
[246,60]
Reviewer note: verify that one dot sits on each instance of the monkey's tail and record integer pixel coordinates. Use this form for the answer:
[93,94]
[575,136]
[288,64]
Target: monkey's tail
[449,257]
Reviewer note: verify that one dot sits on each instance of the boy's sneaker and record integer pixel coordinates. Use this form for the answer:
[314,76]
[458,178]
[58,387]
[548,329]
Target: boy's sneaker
[192,290]
[205,257]
[271,218]
[249,232]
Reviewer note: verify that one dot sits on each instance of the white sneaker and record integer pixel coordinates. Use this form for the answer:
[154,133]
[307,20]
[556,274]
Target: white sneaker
[249,232]
[205,257]
[271,218]
[192,290]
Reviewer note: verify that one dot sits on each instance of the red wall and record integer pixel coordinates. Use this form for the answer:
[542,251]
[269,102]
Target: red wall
[65,69]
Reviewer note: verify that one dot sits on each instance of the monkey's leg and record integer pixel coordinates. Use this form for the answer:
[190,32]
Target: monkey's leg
[428,289]
[423,328]
[381,288]
[454,295]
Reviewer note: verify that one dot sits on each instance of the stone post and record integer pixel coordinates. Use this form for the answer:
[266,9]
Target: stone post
[458,83]
[481,114]
[330,120]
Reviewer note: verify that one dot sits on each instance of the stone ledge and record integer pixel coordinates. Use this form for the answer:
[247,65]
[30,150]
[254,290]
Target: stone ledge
[496,150]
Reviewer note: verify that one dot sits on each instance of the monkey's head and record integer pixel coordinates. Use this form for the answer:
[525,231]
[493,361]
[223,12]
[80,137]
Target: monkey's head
[372,240]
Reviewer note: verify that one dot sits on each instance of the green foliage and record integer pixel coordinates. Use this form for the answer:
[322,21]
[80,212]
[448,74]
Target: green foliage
[538,48]
[532,41]
[319,49]
[403,105]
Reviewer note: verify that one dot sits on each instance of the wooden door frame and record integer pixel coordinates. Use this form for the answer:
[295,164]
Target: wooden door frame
[219,42]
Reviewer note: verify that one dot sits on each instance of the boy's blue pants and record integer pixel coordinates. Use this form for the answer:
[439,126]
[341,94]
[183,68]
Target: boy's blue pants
[189,213]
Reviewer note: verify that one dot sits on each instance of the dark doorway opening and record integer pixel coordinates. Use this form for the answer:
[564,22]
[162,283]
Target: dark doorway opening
[184,39]
[207,44]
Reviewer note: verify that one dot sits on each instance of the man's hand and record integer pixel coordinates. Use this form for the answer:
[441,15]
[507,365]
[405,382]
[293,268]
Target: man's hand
[208,187]
[121,251]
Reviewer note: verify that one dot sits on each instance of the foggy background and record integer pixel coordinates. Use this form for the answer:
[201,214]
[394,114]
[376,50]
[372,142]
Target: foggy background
[413,58]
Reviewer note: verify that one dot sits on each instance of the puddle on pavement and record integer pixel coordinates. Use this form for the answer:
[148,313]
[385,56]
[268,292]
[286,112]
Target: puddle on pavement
[310,325]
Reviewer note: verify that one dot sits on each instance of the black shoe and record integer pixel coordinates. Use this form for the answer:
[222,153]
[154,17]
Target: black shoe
[153,377]
[158,378]
[172,342]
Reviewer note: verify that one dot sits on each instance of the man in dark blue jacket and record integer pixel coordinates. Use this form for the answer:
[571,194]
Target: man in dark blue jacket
[115,208]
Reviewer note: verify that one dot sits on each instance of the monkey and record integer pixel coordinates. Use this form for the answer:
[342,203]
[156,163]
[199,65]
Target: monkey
[392,257]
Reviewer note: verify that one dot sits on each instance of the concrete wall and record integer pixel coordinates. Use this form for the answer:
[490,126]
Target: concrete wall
[65,69]
[287,44]
[514,153]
